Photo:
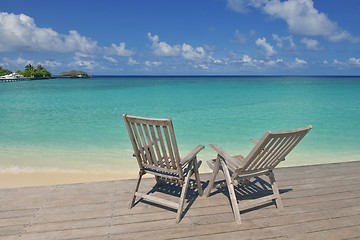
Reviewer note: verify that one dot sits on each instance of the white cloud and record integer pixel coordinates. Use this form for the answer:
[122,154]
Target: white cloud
[88,64]
[75,42]
[311,44]
[121,50]
[343,35]
[162,48]
[84,61]
[239,37]
[23,61]
[185,50]
[350,62]
[269,50]
[202,66]
[51,64]
[300,61]
[243,6]
[354,61]
[132,61]
[246,59]
[152,63]
[273,63]
[216,61]
[280,41]
[19,63]
[337,63]
[190,53]
[340,64]
[20,33]
[110,59]
[301,17]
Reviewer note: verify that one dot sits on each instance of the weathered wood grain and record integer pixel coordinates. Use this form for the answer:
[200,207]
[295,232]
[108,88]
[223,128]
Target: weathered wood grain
[320,202]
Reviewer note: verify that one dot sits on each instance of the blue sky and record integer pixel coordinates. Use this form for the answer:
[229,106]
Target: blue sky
[242,37]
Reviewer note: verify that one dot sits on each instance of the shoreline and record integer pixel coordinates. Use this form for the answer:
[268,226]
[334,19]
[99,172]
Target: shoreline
[10,180]
[34,179]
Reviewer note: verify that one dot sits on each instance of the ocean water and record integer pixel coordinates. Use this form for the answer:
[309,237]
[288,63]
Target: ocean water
[76,124]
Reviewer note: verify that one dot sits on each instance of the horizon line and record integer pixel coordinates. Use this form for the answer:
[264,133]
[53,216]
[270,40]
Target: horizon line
[215,75]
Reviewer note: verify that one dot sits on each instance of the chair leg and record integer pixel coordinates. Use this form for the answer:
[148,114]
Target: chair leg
[158,180]
[213,177]
[133,196]
[183,195]
[197,178]
[232,194]
[275,191]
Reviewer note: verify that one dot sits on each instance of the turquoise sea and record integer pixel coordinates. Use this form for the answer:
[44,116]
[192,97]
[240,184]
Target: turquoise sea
[76,124]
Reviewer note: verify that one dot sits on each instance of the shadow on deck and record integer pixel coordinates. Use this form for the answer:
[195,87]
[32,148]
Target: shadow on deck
[320,202]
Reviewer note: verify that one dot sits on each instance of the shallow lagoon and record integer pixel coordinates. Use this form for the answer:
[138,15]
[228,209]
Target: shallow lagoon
[76,124]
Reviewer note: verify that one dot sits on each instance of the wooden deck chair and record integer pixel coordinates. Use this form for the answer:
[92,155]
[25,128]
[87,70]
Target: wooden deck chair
[268,152]
[157,153]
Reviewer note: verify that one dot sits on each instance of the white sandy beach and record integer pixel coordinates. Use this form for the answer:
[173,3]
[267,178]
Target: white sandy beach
[26,178]
[29,179]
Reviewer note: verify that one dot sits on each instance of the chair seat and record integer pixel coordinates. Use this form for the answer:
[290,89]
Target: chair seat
[240,162]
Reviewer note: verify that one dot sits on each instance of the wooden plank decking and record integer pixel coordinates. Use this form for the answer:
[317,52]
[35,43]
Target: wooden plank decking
[320,202]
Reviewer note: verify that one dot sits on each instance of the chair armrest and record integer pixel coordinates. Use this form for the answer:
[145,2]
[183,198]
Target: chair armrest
[192,154]
[228,159]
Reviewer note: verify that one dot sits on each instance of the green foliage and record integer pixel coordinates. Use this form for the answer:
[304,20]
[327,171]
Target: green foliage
[29,67]
[4,71]
[38,72]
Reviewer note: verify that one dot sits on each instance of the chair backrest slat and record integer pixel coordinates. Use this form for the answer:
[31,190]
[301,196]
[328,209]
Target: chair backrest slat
[150,143]
[163,148]
[174,143]
[275,153]
[137,142]
[289,144]
[145,145]
[262,152]
[295,140]
[272,154]
[154,143]
[169,146]
[272,148]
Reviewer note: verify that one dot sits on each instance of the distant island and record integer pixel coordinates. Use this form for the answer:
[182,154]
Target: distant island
[30,73]
[37,73]
[74,74]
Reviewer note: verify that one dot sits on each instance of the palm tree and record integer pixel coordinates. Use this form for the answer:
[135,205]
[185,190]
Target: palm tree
[40,68]
[29,67]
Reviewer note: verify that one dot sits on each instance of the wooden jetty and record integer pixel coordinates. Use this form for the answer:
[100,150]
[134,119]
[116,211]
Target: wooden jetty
[3,80]
[320,202]
[14,80]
